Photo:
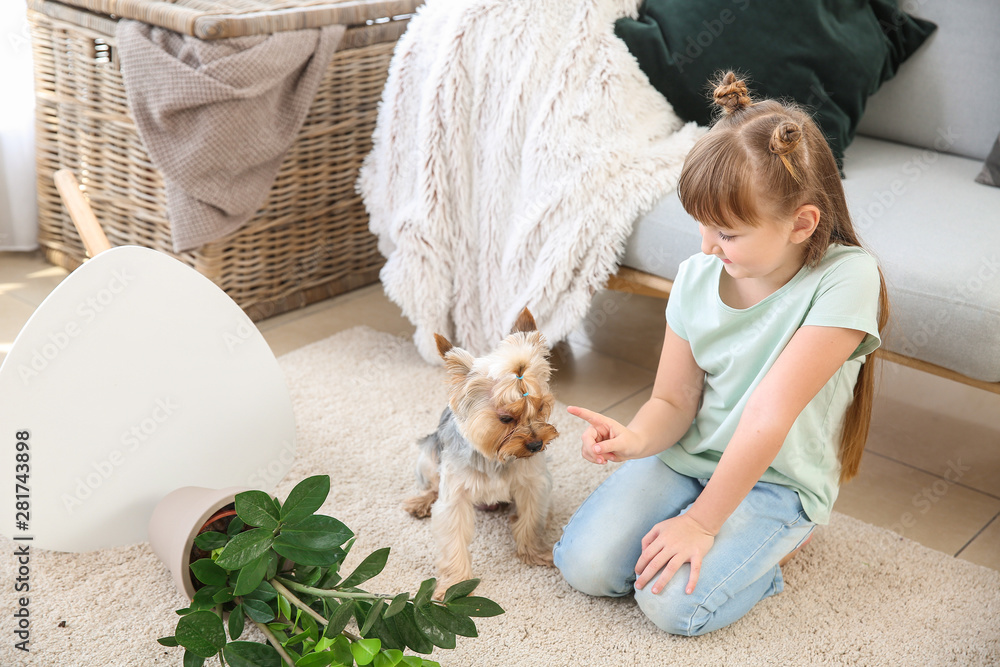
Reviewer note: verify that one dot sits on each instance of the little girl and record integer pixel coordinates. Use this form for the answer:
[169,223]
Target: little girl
[762,397]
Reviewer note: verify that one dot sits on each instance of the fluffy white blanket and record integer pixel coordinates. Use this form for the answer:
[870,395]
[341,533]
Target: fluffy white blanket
[517,142]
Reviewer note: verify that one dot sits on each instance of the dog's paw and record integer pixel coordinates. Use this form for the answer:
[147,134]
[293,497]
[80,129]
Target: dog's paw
[536,556]
[420,506]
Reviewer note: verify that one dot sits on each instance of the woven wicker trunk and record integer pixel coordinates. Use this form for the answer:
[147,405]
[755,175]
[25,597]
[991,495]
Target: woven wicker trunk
[310,240]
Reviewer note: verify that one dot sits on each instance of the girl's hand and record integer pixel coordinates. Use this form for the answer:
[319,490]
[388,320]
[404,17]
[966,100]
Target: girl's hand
[672,543]
[605,439]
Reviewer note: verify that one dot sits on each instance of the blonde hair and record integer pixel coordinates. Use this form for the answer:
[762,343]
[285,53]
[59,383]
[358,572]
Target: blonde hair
[771,156]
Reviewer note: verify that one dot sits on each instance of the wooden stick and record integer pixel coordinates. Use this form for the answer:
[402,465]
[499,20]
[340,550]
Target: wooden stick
[80,212]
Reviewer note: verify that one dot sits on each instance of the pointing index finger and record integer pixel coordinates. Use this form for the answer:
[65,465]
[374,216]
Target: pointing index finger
[590,416]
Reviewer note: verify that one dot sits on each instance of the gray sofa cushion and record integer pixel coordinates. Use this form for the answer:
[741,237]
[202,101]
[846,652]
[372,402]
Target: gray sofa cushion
[943,271]
[950,86]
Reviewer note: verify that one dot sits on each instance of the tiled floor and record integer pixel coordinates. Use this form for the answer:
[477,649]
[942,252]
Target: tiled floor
[931,472]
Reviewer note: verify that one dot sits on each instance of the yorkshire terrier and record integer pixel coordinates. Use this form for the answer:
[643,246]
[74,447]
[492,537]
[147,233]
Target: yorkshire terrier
[488,450]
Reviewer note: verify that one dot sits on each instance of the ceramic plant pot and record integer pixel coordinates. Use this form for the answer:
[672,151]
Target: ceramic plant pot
[177,520]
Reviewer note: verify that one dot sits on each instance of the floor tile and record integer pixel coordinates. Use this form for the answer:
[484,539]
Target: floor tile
[13,315]
[624,326]
[927,391]
[934,441]
[922,507]
[27,276]
[625,410]
[594,380]
[985,548]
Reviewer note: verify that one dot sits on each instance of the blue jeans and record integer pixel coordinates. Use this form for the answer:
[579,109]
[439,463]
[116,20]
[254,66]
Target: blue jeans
[602,543]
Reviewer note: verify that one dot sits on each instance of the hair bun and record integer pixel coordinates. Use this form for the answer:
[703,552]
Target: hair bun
[731,94]
[785,138]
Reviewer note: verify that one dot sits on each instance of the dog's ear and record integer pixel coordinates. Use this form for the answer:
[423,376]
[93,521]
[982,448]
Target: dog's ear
[525,322]
[443,344]
[456,360]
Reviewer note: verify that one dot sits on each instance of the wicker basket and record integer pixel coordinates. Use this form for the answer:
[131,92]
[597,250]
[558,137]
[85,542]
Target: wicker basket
[310,240]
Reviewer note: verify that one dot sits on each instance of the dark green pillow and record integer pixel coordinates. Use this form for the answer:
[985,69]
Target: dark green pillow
[827,56]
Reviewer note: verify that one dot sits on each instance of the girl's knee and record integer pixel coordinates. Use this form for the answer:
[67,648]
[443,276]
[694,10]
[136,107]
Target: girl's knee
[673,610]
[591,572]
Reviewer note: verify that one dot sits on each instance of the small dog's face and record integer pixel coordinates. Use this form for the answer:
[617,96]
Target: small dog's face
[502,400]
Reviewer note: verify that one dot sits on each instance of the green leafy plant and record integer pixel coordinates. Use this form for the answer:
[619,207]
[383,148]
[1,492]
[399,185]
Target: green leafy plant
[278,567]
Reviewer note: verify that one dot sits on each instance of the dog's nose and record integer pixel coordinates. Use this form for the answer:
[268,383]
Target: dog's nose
[535,447]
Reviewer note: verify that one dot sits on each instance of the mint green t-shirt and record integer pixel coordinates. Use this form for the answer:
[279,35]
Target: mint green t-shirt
[736,348]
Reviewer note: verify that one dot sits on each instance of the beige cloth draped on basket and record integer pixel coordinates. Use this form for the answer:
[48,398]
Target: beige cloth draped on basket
[516,144]
[218,116]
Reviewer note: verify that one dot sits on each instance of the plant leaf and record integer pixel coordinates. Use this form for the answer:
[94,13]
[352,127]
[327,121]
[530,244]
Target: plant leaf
[307,497]
[272,565]
[396,605]
[373,615]
[244,548]
[192,660]
[473,606]
[258,610]
[310,626]
[316,531]
[321,659]
[341,650]
[203,598]
[236,622]
[211,540]
[168,641]
[438,636]
[460,590]
[308,575]
[368,568]
[302,556]
[338,620]
[235,526]
[424,593]
[251,654]
[208,572]
[256,509]
[223,596]
[388,658]
[410,633]
[386,630]
[364,650]
[284,607]
[201,633]
[449,620]
[412,661]
[264,592]
[251,575]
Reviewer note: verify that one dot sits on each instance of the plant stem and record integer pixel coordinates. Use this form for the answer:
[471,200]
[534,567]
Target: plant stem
[297,602]
[306,608]
[274,642]
[327,593]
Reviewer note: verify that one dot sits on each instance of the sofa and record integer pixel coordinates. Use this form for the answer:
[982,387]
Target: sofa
[910,182]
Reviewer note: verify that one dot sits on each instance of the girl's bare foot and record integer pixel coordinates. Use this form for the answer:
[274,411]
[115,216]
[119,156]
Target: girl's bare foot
[797,549]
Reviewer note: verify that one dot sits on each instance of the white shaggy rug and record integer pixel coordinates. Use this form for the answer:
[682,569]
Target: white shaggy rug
[858,595]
